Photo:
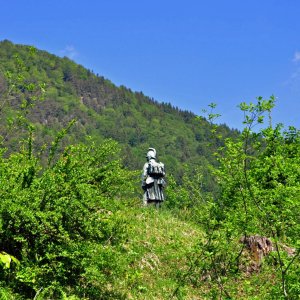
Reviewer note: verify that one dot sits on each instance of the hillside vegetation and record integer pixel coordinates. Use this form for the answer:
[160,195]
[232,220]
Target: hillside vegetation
[103,110]
[71,222]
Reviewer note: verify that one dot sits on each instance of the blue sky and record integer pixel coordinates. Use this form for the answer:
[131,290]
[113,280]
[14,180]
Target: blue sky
[189,53]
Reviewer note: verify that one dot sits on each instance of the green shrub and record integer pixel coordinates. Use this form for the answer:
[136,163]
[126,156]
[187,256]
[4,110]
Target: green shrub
[62,222]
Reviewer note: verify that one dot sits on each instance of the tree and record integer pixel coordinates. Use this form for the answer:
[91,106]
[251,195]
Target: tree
[258,176]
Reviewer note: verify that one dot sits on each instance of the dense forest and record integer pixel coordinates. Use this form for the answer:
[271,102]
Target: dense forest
[71,221]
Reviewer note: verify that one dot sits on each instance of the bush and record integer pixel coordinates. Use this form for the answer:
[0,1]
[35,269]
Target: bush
[62,221]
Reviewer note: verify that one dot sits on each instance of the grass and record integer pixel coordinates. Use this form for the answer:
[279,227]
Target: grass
[158,249]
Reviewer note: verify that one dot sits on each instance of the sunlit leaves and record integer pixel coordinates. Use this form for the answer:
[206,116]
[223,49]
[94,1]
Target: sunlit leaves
[6,260]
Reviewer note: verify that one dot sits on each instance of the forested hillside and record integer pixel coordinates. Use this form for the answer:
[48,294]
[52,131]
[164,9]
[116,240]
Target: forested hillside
[71,222]
[103,110]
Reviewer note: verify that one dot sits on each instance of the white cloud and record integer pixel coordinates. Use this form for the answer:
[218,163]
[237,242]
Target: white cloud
[71,52]
[296,56]
[293,82]
[295,75]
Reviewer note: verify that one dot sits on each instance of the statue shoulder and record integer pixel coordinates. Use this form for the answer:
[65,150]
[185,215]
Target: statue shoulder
[145,167]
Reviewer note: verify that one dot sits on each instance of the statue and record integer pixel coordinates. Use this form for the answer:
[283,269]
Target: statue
[153,181]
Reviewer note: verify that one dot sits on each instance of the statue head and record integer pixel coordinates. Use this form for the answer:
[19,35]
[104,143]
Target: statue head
[151,153]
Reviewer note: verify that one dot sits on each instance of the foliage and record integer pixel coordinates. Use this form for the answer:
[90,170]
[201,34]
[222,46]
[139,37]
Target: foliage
[62,222]
[6,260]
[259,195]
[103,110]
[71,225]
[19,96]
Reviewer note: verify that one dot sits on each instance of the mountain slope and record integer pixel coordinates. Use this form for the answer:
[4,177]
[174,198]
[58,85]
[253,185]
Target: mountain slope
[103,110]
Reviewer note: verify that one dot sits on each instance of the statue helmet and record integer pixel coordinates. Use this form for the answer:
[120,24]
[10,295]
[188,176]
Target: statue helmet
[151,153]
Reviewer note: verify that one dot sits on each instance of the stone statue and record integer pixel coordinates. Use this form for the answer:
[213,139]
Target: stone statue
[153,181]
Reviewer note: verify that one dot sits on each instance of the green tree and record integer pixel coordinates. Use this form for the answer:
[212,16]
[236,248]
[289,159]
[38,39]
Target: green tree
[258,177]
